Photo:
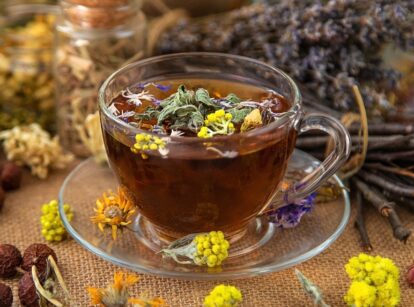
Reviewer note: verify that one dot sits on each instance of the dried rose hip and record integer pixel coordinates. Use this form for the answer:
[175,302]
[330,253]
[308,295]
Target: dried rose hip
[410,276]
[2,197]
[10,259]
[36,254]
[11,176]
[27,291]
[6,296]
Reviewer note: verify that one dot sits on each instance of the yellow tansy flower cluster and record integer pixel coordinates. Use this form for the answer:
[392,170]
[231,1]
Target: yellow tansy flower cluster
[212,249]
[374,282]
[52,227]
[223,296]
[209,249]
[145,142]
[218,122]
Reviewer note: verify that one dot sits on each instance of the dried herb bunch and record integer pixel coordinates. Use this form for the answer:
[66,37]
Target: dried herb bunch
[326,45]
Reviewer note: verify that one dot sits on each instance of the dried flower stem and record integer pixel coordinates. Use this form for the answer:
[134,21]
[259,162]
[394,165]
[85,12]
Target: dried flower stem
[360,224]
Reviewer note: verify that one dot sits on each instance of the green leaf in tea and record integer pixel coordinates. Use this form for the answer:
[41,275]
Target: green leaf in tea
[232,99]
[202,96]
[239,114]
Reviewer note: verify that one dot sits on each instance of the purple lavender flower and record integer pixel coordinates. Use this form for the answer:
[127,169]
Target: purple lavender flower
[290,215]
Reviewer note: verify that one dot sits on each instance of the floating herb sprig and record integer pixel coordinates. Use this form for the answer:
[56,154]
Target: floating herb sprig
[187,110]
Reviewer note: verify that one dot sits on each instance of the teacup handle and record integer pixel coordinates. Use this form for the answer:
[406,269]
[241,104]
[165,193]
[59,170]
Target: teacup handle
[331,164]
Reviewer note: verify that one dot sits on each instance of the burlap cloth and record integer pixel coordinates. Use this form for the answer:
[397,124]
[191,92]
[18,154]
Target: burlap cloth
[19,225]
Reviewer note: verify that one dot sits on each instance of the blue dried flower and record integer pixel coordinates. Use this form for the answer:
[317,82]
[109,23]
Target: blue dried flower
[164,88]
[290,215]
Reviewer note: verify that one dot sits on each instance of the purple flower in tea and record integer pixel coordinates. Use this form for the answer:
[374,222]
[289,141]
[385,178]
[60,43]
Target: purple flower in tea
[164,88]
[290,215]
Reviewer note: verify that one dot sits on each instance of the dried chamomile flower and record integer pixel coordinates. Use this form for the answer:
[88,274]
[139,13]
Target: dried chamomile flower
[52,227]
[374,281]
[34,147]
[209,249]
[216,123]
[252,120]
[223,296]
[146,142]
[117,294]
[113,210]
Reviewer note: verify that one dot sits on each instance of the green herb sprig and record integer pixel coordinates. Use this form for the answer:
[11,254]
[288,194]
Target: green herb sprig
[187,109]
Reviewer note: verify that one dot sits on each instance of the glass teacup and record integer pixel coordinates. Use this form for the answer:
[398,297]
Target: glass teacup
[224,182]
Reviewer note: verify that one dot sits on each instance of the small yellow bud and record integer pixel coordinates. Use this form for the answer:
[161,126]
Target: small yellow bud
[139,137]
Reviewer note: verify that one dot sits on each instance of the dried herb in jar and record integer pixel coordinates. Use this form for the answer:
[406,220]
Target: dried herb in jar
[26,78]
[93,41]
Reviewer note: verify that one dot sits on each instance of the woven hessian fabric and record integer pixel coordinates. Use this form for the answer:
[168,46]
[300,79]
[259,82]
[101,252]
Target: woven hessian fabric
[19,225]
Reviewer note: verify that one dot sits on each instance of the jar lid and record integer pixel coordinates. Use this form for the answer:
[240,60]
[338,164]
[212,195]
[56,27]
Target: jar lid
[99,14]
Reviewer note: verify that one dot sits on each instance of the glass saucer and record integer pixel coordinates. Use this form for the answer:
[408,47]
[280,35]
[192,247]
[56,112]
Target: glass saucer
[277,248]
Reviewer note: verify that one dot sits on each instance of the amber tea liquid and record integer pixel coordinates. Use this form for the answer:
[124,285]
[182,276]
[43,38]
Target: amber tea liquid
[196,190]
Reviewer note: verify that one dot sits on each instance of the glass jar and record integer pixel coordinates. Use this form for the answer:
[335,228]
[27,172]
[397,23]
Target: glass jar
[94,38]
[26,66]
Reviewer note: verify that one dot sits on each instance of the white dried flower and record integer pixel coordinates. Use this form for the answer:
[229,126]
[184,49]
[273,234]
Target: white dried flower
[176,133]
[137,98]
[34,147]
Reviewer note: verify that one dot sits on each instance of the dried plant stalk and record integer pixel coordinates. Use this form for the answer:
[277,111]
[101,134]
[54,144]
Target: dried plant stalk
[360,223]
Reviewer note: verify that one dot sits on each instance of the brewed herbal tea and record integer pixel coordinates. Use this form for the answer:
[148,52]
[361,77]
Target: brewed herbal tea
[193,165]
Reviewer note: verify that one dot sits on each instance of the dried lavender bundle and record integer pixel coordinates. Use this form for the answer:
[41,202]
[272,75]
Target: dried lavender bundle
[326,46]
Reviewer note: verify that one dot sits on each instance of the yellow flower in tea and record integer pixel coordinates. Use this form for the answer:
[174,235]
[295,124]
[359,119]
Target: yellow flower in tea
[223,296]
[218,122]
[146,142]
[209,249]
[252,120]
[113,210]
